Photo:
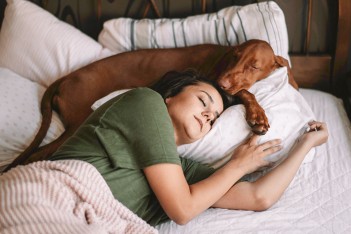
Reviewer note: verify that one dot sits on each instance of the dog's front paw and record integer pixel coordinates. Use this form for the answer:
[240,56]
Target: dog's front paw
[259,129]
[257,120]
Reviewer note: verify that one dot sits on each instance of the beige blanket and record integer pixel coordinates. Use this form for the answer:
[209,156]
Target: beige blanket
[62,197]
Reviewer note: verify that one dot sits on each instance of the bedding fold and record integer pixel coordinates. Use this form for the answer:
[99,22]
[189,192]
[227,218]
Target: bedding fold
[67,196]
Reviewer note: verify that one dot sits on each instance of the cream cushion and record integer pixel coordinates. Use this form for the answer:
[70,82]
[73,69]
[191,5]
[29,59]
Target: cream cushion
[38,46]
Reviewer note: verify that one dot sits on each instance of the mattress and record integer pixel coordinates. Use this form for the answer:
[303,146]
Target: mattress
[318,199]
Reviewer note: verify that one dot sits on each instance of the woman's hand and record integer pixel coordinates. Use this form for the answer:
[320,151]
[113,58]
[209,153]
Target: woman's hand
[250,155]
[317,134]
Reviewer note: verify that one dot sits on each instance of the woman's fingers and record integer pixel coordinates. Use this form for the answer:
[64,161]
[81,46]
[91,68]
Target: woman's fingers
[253,139]
[266,148]
[315,125]
[272,149]
[318,133]
[252,155]
[270,144]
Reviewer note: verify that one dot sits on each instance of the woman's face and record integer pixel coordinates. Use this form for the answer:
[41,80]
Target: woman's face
[193,111]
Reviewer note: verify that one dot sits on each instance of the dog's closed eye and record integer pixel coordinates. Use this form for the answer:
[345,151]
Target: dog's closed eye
[254,67]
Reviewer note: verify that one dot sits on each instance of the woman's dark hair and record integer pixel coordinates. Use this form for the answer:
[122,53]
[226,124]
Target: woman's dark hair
[174,82]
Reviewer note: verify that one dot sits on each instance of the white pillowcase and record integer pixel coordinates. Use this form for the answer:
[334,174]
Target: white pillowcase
[20,116]
[286,109]
[229,26]
[38,46]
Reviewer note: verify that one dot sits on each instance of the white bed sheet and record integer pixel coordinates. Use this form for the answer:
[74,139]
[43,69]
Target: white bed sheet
[317,201]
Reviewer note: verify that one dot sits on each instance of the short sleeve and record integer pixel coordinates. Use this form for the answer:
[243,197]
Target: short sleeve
[136,131]
[194,171]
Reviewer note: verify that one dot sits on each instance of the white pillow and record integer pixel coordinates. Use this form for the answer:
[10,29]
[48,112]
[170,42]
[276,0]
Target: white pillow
[101,101]
[229,26]
[20,116]
[287,111]
[38,46]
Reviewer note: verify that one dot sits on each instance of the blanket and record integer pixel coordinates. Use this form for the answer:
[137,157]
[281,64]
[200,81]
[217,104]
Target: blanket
[66,196]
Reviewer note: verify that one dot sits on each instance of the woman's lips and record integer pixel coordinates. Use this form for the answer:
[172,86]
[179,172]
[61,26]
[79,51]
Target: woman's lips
[200,122]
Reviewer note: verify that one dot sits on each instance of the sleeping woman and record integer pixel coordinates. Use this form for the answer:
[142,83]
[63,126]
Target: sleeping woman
[132,141]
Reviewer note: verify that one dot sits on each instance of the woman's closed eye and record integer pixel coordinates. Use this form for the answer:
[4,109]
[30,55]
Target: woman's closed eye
[202,101]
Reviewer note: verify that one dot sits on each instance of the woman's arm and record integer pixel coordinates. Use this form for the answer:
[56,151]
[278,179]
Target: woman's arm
[182,202]
[263,193]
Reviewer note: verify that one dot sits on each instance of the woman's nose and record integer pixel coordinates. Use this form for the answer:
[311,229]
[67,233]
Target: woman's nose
[208,115]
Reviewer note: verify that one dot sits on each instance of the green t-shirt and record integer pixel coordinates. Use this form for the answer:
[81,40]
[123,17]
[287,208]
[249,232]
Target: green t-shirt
[123,136]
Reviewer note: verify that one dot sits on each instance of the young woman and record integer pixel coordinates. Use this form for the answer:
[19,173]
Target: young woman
[132,141]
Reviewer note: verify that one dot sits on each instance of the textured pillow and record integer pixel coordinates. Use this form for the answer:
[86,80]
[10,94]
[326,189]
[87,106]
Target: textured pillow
[229,26]
[38,46]
[287,111]
[20,117]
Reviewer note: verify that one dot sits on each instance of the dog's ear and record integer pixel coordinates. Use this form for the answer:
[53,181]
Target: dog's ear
[236,51]
[282,62]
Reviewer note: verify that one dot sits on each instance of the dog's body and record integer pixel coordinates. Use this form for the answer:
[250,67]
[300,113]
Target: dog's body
[235,68]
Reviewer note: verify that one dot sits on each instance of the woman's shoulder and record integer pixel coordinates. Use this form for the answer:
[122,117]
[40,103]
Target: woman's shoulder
[142,96]
[140,99]
[144,92]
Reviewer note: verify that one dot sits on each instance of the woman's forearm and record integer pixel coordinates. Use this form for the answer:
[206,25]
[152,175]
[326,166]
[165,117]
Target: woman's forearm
[181,201]
[263,193]
[211,189]
[272,185]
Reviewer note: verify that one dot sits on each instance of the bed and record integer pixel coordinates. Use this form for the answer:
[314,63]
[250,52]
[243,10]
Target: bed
[37,48]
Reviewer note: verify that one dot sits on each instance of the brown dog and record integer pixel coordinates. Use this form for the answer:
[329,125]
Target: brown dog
[235,68]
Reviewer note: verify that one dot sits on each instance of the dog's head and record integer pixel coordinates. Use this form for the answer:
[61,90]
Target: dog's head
[248,62]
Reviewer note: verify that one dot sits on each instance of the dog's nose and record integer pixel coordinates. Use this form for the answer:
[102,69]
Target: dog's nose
[224,84]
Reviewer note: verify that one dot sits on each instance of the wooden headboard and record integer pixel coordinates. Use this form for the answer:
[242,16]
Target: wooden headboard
[319,30]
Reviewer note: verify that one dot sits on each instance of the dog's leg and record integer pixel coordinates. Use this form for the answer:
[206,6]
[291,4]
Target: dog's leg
[255,115]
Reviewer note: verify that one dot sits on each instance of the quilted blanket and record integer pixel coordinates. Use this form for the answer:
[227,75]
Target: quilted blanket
[62,197]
